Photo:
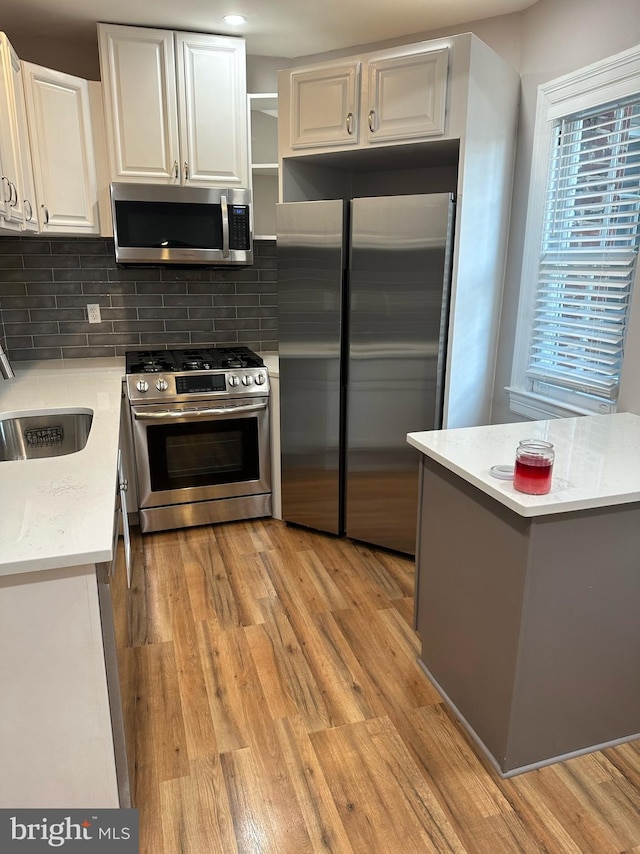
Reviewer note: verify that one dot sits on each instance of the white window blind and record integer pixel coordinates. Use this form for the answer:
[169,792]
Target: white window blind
[590,241]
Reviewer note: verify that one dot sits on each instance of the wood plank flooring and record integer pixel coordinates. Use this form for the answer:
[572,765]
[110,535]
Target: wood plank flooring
[274,705]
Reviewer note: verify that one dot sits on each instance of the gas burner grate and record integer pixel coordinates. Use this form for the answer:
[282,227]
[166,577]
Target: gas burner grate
[238,357]
[148,361]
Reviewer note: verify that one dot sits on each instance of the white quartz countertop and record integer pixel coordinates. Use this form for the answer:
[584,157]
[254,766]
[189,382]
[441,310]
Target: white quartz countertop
[59,512]
[597,460]
[272,363]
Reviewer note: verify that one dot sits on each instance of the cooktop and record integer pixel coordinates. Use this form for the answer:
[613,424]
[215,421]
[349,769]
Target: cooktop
[192,359]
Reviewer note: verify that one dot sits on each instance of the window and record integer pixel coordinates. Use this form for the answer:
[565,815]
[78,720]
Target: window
[590,238]
[583,236]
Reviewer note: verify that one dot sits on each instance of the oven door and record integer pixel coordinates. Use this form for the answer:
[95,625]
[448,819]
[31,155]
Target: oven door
[199,452]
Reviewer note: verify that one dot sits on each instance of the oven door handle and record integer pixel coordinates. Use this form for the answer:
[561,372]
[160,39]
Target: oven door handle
[140,415]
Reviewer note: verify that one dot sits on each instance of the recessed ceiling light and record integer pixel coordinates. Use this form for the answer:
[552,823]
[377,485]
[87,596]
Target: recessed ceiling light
[234,20]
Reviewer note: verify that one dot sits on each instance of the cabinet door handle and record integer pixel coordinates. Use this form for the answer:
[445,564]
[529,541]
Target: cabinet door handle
[372,121]
[350,123]
[13,200]
[4,194]
[30,217]
[186,171]
[175,169]
[46,213]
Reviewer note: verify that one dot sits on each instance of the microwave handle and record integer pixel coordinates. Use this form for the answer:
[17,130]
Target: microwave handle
[225,226]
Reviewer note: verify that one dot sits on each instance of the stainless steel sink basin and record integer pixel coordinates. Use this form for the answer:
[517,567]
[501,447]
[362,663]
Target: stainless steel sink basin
[49,434]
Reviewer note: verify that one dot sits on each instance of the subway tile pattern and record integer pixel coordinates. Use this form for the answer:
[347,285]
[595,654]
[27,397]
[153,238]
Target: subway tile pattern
[46,284]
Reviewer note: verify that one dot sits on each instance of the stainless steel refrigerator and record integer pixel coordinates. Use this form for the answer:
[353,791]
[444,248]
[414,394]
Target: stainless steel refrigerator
[363,297]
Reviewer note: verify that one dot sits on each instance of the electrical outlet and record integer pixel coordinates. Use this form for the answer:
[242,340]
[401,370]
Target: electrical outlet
[93,312]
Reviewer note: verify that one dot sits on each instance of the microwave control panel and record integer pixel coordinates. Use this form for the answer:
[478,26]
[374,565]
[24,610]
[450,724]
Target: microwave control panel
[239,231]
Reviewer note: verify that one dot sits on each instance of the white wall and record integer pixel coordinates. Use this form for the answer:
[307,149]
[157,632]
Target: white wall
[262,73]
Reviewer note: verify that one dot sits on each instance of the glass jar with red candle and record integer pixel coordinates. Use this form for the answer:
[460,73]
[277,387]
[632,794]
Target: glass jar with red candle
[534,465]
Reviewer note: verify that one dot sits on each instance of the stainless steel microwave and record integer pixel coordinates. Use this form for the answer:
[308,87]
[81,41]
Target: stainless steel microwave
[161,224]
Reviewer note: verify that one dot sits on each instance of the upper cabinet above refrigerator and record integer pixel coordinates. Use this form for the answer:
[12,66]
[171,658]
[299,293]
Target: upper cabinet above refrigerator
[389,96]
[175,106]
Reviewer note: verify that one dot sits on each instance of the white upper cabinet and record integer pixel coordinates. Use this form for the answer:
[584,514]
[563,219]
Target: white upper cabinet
[380,97]
[325,106]
[138,72]
[175,106]
[12,195]
[62,151]
[407,96]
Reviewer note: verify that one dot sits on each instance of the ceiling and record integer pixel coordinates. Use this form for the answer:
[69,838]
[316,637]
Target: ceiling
[284,28]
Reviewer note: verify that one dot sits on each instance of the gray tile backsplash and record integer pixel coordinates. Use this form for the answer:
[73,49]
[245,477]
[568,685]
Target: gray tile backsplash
[46,283]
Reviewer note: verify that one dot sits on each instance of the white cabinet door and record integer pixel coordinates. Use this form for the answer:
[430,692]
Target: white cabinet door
[407,96]
[211,73]
[56,738]
[11,195]
[29,205]
[324,106]
[175,106]
[62,151]
[141,115]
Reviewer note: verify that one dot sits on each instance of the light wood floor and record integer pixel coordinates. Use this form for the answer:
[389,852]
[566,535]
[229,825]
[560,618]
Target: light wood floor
[274,706]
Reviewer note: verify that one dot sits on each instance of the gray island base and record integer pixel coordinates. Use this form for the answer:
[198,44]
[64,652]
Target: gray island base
[530,625]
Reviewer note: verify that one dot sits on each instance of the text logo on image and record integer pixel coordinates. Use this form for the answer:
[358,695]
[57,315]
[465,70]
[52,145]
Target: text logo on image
[108,830]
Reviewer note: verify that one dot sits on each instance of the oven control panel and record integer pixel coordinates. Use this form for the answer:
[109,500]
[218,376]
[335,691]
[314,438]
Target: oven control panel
[200,383]
[197,385]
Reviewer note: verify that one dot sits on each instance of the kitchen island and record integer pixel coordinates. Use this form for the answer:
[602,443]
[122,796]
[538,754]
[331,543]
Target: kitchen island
[59,706]
[527,606]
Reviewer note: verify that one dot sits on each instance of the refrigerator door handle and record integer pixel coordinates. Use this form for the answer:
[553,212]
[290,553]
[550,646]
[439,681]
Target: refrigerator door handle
[444,313]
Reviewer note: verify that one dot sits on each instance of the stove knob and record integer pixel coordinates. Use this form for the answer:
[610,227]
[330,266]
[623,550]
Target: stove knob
[247,379]
[162,384]
[142,386]
[234,381]
[260,379]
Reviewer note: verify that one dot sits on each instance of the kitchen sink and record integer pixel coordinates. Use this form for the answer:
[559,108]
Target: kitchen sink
[47,434]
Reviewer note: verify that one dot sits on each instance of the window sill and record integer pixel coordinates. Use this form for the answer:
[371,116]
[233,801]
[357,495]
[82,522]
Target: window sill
[536,407]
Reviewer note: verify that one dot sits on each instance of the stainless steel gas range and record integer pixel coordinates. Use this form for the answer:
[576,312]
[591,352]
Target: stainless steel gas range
[200,423]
